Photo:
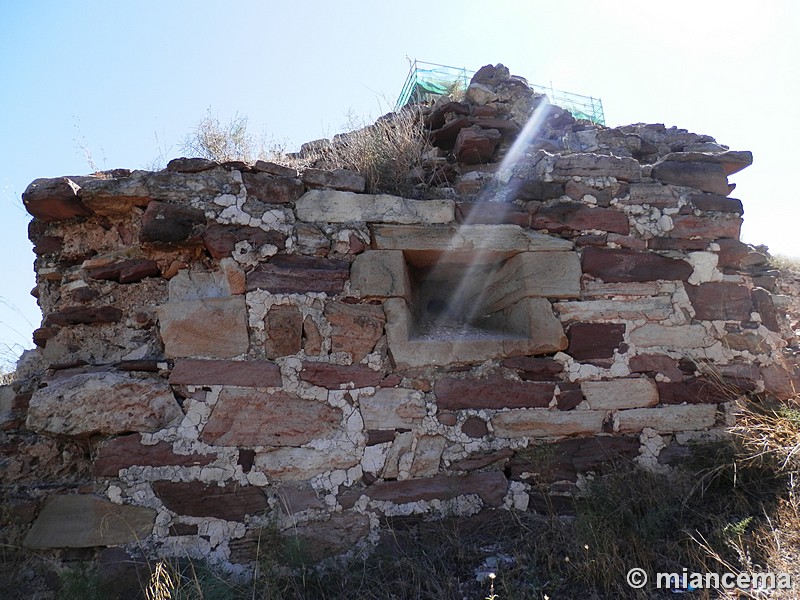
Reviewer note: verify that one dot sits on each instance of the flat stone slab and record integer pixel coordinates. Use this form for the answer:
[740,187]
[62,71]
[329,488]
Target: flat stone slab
[211,327]
[491,486]
[620,393]
[83,521]
[665,419]
[104,403]
[301,464]
[231,502]
[392,408]
[539,422]
[333,206]
[225,372]
[466,238]
[381,273]
[244,417]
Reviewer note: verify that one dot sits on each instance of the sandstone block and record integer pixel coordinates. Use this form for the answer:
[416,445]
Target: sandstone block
[127,451]
[427,455]
[594,340]
[284,325]
[720,300]
[494,393]
[540,422]
[474,427]
[324,539]
[708,177]
[84,315]
[620,265]
[716,203]
[475,145]
[276,170]
[576,216]
[335,377]
[330,206]
[763,303]
[595,165]
[312,338]
[355,328]
[231,502]
[272,190]
[667,419]
[697,390]
[491,486]
[245,417]
[656,363]
[467,238]
[83,521]
[535,369]
[295,274]
[221,239]
[480,460]
[297,498]
[750,342]
[620,393]
[706,227]
[491,213]
[126,271]
[653,194]
[54,199]
[338,179]
[225,372]
[392,408]
[655,309]
[534,275]
[301,464]
[679,336]
[381,273]
[164,223]
[191,165]
[731,161]
[104,403]
[211,327]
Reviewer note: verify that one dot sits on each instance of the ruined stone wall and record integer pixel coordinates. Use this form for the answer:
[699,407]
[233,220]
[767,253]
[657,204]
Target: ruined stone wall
[229,347]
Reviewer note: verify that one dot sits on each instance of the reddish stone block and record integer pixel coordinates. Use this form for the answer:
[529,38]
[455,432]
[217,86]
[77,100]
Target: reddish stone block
[221,239]
[656,363]
[569,396]
[704,176]
[762,301]
[731,253]
[445,136]
[535,369]
[84,315]
[127,451]
[191,165]
[576,216]
[663,243]
[716,203]
[491,213]
[705,227]
[356,328]
[54,199]
[272,190]
[290,274]
[720,300]
[48,244]
[334,377]
[437,117]
[594,340]
[480,460]
[312,338]
[284,326]
[295,499]
[476,146]
[612,265]
[491,486]
[697,390]
[495,392]
[164,223]
[231,502]
[338,179]
[126,271]
[475,427]
[380,436]
[225,372]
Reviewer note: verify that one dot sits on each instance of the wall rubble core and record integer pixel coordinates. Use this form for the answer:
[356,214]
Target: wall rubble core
[228,347]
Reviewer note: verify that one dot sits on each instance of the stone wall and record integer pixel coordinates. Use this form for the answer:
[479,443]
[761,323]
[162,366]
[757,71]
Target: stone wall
[229,347]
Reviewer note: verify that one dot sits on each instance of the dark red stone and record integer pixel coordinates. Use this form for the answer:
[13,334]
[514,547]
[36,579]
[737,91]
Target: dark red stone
[656,363]
[191,165]
[231,502]
[594,340]
[295,274]
[295,499]
[612,265]
[762,300]
[182,529]
[445,137]
[662,243]
[576,216]
[494,392]
[42,334]
[128,451]
[476,146]
[164,223]
[491,486]
[86,315]
[380,436]
[334,376]
[246,460]
[225,372]
[720,300]
[535,369]
[272,190]
[705,227]
[126,271]
[54,199]
[284,326]
[436,119]
[716,203]
[591,239]
[48,244]
[704,176]
[697,390]
[221,239]
[479,460]
[533,189]
[569,396]
[474,427]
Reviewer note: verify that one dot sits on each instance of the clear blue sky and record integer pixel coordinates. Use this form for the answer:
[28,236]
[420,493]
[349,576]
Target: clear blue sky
[112,75]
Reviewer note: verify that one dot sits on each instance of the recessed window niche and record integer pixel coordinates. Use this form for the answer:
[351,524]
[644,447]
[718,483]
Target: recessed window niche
[469,293]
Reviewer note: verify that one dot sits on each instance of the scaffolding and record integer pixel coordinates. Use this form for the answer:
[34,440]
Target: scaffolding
[427,81]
